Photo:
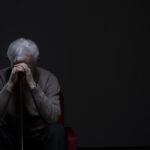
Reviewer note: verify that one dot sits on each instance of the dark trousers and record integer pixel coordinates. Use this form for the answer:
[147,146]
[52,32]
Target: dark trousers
[51,138]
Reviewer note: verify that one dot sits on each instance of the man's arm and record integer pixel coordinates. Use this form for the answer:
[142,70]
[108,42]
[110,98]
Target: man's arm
[4,98]
[48,102]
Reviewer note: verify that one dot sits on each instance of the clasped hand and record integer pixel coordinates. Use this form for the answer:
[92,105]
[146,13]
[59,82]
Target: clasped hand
[21,67]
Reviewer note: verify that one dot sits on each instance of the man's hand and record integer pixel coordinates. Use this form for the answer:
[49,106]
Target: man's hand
[21,67]
[14,77]
[28,74]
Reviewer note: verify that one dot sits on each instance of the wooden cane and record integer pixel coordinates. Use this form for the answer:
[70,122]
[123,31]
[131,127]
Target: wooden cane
[21,108]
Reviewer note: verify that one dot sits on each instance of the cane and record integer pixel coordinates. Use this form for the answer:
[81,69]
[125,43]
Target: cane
[21,107]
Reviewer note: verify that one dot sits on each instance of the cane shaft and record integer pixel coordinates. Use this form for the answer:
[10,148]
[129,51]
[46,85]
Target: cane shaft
[21,110]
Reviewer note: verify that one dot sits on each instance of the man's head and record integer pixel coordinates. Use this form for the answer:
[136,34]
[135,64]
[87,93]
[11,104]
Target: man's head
[23,50]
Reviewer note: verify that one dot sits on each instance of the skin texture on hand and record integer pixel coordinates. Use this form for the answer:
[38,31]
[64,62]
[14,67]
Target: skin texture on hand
[27,78]
[28,74]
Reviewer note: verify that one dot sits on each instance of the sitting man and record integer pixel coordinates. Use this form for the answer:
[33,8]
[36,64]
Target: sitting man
[41,105]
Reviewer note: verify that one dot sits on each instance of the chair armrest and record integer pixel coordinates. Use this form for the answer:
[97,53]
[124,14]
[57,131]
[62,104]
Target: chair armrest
[72,141]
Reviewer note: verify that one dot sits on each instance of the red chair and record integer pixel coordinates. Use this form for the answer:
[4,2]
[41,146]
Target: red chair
[72,141]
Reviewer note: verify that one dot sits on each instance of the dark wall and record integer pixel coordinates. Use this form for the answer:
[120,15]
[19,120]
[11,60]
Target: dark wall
[99,50]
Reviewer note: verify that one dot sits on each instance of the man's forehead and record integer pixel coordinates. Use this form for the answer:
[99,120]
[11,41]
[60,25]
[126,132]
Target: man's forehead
[23,58]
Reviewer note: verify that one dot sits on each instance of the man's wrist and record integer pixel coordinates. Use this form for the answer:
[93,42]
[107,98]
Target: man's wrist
[32,86]
[9,87]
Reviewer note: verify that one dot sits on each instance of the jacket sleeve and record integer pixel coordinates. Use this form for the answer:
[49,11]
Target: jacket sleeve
[4,99]
[48,102]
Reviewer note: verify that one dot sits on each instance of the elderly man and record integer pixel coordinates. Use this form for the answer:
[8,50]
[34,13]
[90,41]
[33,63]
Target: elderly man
[41,106]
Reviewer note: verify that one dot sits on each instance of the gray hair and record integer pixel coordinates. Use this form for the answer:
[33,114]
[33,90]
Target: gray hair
[21,47]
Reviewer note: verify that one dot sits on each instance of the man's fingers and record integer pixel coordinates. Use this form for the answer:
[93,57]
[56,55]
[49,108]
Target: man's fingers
[25,67]
[19,68]
[22,64]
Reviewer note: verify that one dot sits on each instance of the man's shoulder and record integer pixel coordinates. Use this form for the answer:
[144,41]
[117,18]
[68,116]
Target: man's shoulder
[4,71]
[45,73]
[46,77]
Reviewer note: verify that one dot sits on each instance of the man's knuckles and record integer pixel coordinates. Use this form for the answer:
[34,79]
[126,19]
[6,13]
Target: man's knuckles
[23,65]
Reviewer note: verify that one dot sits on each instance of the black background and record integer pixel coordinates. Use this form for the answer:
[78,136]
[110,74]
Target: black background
[99,50]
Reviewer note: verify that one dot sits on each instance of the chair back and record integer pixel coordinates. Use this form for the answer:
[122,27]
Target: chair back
[61,119]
